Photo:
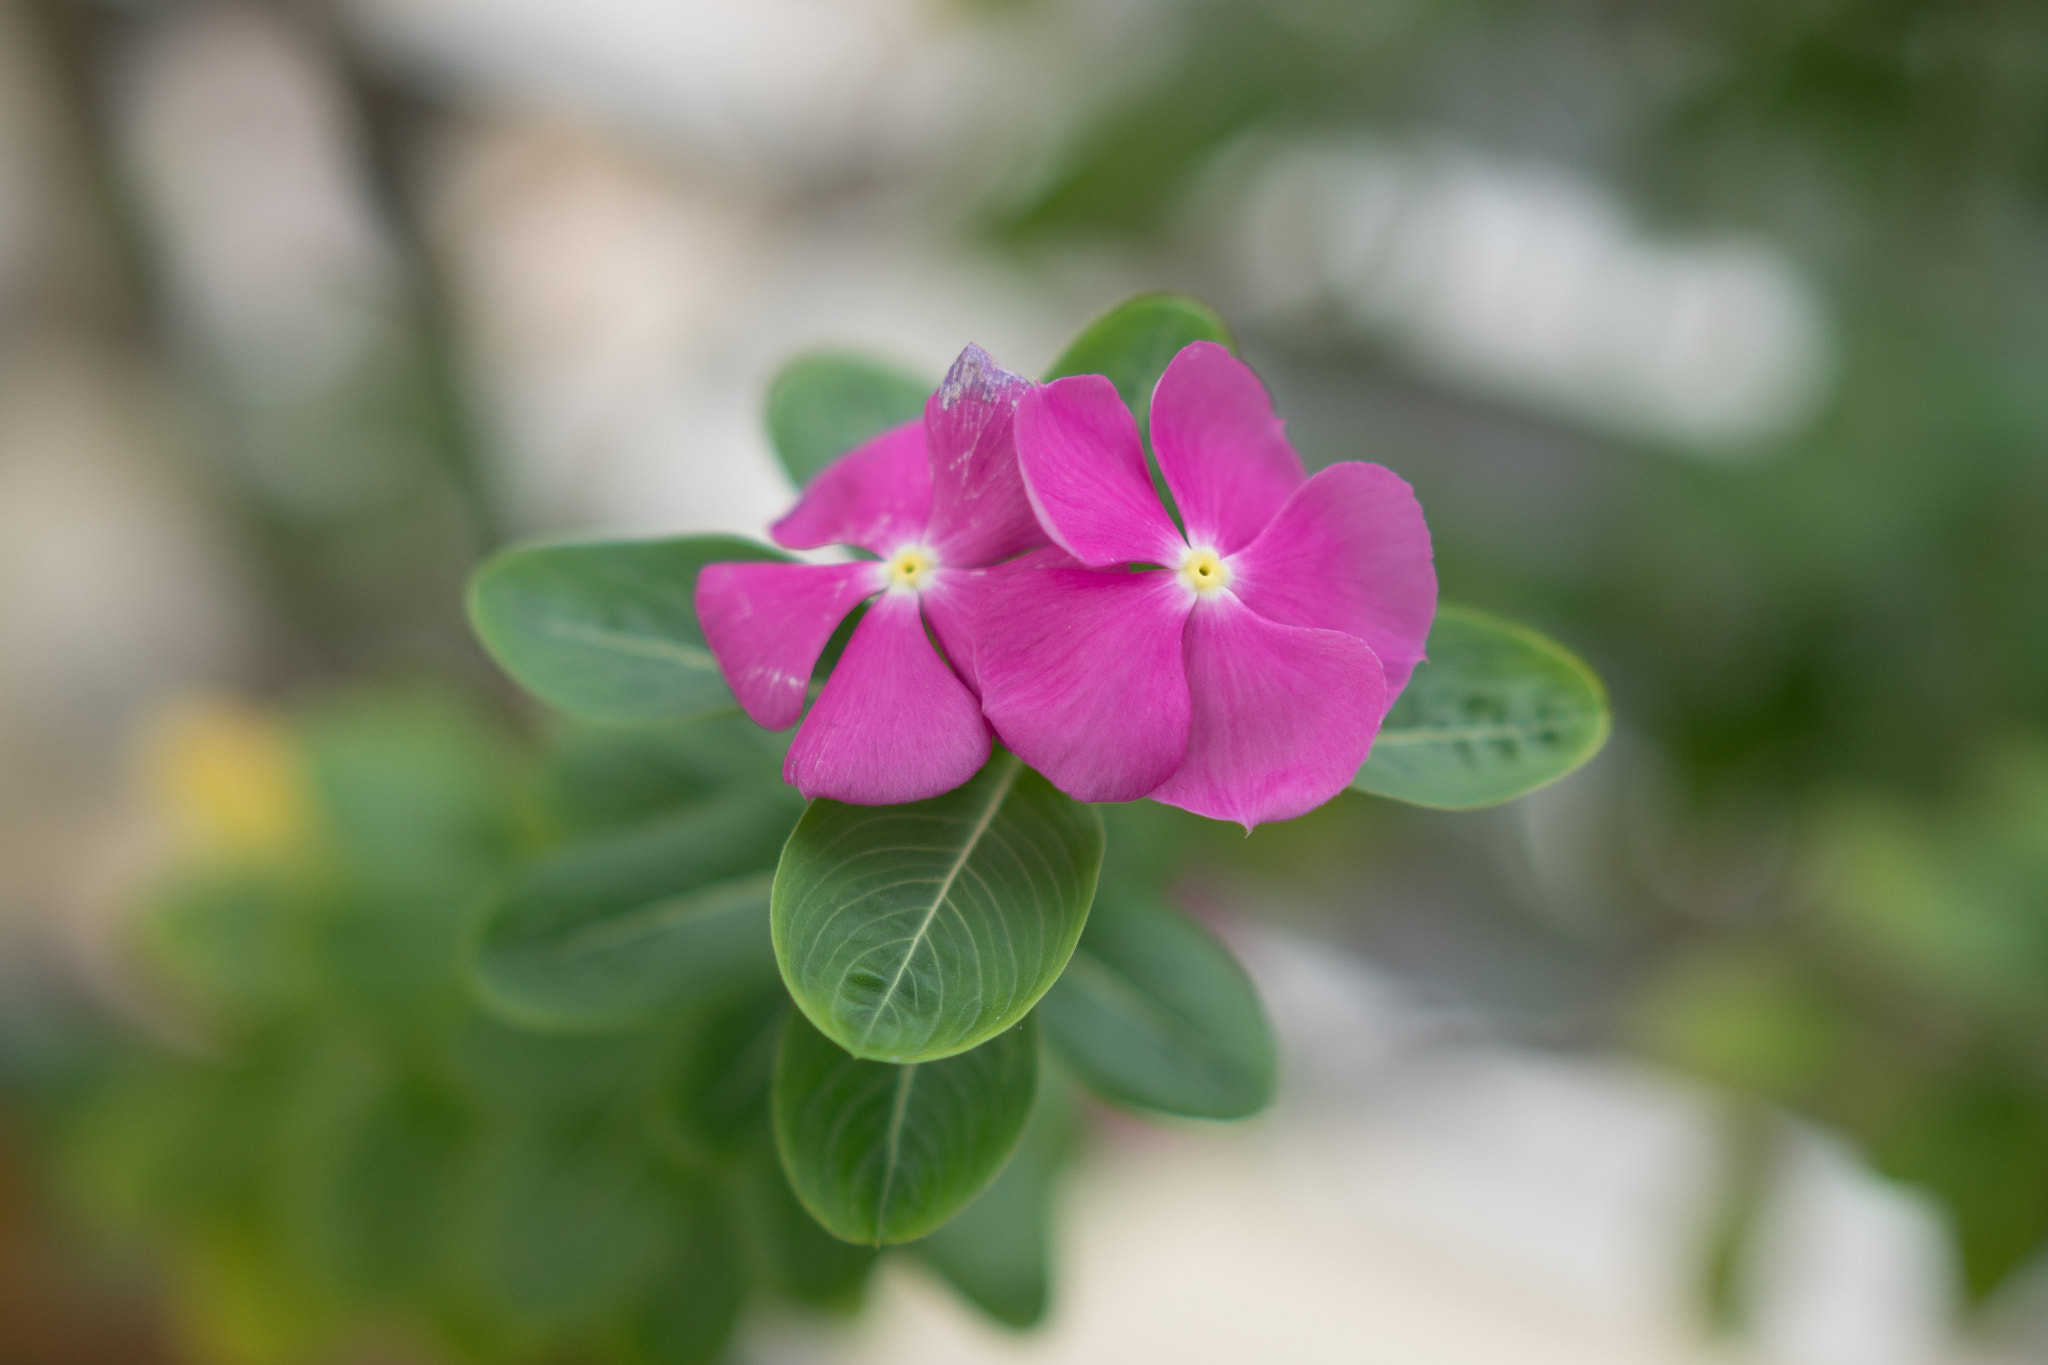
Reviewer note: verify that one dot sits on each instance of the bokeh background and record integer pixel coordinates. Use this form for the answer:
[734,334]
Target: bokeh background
[1713,338]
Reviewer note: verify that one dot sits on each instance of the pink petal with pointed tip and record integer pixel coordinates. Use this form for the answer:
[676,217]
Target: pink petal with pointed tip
[877,496]
[1083,677]
[1348,552]
[1282,716]
[767,624]
[980,514]
[1085,470]
[893,723]
[1224,454]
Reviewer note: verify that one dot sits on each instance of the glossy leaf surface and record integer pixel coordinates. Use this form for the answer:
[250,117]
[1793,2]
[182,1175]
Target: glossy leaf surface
[1496,712]
[827,402]
[881,1153]
[908,933]
[1154,1012]
[607,631]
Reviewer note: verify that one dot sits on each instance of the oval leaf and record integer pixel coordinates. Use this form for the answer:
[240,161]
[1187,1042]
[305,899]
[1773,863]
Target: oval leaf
[1133,342]
[824,404]
[908,933]
[607,631]
[881,1153]
[637,926]
[1154,1012]
[1495,713]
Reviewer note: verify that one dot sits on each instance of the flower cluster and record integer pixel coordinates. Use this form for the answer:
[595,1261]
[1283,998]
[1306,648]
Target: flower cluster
[1030,584]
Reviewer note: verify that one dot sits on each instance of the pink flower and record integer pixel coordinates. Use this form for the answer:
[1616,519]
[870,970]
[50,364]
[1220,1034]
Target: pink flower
[1245,676]
[933,499]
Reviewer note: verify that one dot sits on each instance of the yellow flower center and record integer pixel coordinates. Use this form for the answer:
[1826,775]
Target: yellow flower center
[910,568]
[1204,571]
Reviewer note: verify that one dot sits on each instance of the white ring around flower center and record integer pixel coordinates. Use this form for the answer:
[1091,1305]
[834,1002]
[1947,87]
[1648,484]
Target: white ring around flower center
[910,568]
[1204,571]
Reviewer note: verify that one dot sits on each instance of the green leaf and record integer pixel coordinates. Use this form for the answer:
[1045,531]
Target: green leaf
[824,404]
[1133,342]
[637,926]
[908,933]
[1154,1012]
[607,631]
[997,1250]
[1495,713]
[881,1153]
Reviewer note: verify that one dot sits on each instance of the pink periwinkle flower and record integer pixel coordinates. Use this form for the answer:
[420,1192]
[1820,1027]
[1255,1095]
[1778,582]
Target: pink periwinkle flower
[1239,671]
[934,498]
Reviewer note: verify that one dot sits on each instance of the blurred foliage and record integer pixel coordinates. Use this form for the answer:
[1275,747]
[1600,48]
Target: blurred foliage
[1862,608]
[1846,637]
[1906,1004]
[348,1140]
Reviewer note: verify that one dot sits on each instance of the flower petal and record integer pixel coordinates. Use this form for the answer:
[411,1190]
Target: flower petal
[877,496]
[1081,673]
[1224,454]
[1348,552]
[980,514]
[1085,469]
[893,723]
[768,623]
[963,605]
[1282,716]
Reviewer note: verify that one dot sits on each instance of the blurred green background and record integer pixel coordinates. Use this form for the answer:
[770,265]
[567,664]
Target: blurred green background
[1712,338]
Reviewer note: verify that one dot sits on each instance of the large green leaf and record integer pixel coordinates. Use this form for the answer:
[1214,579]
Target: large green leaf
[1495,713]
[607,631]
[881,1153]
[827,402]
[908,933]
[640,925]
[1154,1012]
[997,1250]
[1133,342]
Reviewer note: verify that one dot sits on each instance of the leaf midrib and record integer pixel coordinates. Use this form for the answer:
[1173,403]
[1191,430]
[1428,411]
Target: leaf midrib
[1457,734]
[644,646]
[892,1146]
[973,840]
[668,912]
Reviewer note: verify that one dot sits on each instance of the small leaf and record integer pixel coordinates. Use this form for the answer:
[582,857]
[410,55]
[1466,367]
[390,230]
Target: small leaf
[882,1153]
[1133,342]
[607,631]
[1154,1012]
[824,404]
[908,933]
[997,1250]
[637,926]
[1495,713]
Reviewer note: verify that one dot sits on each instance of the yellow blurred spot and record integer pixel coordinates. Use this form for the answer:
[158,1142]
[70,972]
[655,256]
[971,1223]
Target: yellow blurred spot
[228,778]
